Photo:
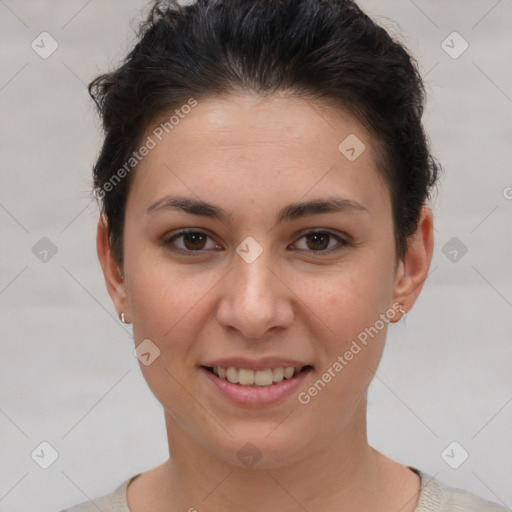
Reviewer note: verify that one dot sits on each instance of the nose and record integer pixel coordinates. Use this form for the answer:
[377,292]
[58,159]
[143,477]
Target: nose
[254,300]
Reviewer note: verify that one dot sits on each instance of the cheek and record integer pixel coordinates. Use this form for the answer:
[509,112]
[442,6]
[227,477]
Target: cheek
[350,302]
[167,302]
[350,350]
[170,313]
[347,300]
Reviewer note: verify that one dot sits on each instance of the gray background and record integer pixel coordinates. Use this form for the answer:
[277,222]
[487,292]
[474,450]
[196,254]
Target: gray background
[67,373]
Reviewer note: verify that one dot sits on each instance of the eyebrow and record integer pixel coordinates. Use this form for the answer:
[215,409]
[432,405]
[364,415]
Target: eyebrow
[290,212]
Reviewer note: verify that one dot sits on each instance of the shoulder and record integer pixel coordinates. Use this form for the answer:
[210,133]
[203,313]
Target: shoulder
[114,502]
[435,497]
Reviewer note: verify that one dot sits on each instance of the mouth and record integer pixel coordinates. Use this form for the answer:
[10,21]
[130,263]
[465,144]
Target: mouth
[245,377]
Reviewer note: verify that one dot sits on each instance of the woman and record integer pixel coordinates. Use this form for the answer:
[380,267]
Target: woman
[264,183]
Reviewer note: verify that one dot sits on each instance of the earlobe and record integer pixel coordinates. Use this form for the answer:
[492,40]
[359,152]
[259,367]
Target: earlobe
[111,271]
[413,270]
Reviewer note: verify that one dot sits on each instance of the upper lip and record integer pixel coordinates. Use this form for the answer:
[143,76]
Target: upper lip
[255,364]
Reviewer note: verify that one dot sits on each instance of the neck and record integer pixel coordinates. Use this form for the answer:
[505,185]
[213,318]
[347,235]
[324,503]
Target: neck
[339,469]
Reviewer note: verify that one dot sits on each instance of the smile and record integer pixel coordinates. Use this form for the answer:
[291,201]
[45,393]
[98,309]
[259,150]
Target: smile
[267,392]
[260,378]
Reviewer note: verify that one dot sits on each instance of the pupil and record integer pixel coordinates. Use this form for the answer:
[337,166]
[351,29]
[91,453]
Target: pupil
[194,240]
[317,238]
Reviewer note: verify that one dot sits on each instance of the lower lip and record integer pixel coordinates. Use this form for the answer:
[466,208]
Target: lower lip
[256,396]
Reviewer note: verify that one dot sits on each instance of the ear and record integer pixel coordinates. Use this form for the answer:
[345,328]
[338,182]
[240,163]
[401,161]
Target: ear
[111,271]
[413,270]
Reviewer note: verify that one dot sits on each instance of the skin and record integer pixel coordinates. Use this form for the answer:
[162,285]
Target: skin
[252,156]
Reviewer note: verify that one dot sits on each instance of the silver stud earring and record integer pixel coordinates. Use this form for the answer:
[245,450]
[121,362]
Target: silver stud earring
[122,318]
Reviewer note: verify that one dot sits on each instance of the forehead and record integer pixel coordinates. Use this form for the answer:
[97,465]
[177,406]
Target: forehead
[249,119]
[281,144]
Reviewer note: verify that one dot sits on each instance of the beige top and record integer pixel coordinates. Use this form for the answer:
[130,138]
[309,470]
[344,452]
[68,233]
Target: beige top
[434,497]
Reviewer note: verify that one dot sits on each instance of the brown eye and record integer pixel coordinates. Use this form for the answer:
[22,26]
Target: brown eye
[320,241]
[194,241]
[189,242]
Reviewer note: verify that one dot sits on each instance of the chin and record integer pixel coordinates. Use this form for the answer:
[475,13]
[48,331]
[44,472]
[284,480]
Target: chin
[259,451]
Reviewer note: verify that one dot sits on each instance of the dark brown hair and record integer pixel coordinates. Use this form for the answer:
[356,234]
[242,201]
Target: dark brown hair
[322,49]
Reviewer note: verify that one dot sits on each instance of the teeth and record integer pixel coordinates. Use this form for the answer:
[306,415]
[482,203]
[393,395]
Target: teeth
[246,377]
[278,374]
[288,372]
[262,378]
[232,375]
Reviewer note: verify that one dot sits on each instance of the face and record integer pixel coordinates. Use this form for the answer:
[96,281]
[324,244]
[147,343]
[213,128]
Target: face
[251,240]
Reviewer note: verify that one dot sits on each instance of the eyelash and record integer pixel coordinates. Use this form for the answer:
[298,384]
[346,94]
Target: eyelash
[169,241]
